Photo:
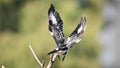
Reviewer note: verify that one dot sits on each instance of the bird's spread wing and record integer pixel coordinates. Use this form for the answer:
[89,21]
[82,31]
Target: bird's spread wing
[77,34]
[55,26]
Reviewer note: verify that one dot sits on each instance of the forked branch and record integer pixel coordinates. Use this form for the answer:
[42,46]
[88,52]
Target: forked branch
[42,65]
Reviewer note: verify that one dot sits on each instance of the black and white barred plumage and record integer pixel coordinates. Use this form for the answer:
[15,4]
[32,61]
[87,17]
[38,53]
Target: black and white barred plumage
[56,30]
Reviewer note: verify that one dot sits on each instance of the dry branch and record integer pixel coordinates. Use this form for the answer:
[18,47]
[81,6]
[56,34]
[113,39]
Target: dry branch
[42,65]
[35,56]
[2,66]
[52,59]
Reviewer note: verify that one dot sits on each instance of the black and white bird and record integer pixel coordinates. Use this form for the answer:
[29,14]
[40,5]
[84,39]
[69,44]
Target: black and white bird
[56,30]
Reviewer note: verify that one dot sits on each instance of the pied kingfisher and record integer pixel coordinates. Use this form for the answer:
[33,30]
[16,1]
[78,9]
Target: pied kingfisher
[56,30]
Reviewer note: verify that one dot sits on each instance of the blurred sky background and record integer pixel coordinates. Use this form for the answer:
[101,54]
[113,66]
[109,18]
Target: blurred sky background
[25,22]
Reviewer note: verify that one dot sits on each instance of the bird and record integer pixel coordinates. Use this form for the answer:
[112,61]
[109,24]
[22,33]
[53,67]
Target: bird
[55,28]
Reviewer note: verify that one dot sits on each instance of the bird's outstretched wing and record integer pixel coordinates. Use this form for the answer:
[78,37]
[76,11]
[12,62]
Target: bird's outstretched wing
[55,26]
[77,34]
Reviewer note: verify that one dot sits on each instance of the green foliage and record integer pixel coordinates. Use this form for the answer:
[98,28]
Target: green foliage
[29,19]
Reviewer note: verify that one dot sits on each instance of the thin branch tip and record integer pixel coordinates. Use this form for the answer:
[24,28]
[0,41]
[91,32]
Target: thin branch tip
[36,58]
[2,66]
[42,65]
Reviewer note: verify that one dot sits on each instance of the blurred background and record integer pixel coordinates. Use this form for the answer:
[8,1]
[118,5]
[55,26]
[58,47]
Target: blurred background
[25,22]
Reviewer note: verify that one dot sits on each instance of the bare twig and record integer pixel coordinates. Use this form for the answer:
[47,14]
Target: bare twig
[35,56]
[2,66]
[51,61]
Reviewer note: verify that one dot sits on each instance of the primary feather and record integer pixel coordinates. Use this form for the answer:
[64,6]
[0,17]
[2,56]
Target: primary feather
[77,34]
[55,26]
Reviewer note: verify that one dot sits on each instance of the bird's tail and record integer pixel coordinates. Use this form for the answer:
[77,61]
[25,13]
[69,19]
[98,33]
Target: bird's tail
[51,52]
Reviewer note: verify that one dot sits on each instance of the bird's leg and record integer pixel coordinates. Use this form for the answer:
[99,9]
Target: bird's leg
[58,57]
[63,58]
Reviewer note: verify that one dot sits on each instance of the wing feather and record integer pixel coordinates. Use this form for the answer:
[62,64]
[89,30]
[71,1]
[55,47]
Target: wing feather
[55,26]
[77,34]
